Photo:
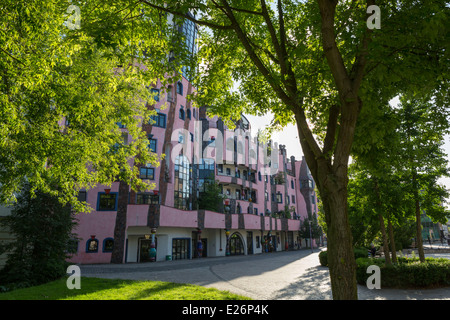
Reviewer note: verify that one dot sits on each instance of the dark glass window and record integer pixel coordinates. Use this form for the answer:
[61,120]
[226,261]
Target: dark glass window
[159,120]
[82,195]
[152,145]
[147,198]
[147,173]
[108,245]
[107,202]
[155,94]
[179,88]
[183,183]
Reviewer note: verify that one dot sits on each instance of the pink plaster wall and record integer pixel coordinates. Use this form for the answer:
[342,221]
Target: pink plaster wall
[214,220]
[171,217]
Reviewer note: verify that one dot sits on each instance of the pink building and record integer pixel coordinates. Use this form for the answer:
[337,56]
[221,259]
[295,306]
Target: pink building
[265,193]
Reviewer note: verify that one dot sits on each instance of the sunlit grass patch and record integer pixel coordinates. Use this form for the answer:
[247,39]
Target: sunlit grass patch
[116,289]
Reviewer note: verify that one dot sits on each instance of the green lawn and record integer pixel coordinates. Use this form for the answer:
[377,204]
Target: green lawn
[114,289]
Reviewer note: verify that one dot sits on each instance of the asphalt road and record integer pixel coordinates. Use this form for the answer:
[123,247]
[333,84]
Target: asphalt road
[291,275]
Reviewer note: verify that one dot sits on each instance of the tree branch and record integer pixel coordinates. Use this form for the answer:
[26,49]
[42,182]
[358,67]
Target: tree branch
[357,73]
[291,81]
[334,58]
[331,129]
[180,14]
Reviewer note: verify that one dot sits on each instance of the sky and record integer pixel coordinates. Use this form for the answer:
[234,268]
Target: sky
[289,137]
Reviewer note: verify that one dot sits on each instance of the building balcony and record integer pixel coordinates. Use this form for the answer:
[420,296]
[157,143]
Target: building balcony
[140,215]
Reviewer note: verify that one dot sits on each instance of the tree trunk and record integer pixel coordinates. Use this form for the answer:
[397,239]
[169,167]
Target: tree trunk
[117,255]
[382,227]
[341,259]
[392,241]
[419,241]
[387,256]
[419,233]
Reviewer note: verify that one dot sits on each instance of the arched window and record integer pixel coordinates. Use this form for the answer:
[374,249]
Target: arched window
[92,245]
[108,245]
[182,113]
[179,88]
[169,93]
[188,113]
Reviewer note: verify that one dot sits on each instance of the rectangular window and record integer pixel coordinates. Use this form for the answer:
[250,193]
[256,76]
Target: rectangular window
[107,202]
[147,173]
[155,93]
[159,120]
[293,199]
[147,198]
[152,145]
[279,198]
[82,195]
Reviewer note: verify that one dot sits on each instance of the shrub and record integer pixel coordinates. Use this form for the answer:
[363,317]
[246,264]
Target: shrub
[407,273]
[42,228]
[323,258]
[359,253]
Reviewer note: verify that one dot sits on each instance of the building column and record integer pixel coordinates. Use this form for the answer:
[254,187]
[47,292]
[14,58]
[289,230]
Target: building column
[227,250]
[152,251]
[199,243]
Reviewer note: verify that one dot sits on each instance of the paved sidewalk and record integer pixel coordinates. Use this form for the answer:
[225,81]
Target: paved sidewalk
[292,275]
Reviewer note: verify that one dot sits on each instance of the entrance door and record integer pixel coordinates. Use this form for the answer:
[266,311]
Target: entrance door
[180,249]
[144,249]
[204,247]
[236,245]
[274,243]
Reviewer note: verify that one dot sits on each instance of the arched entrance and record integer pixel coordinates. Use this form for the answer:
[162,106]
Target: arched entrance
[236,244]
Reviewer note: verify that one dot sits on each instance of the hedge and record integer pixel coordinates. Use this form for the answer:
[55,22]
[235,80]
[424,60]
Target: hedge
[359,253]
[407,273]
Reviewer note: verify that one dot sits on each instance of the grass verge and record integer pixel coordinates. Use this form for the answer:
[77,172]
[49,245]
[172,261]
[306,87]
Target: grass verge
[116,289]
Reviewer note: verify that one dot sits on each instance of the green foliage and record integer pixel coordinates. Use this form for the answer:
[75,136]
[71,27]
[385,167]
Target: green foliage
[90,77]
[407,273]
[305,227]
[358,252]
[401,166]
[42,229]
[323,258]
[211,198]
[116,289]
